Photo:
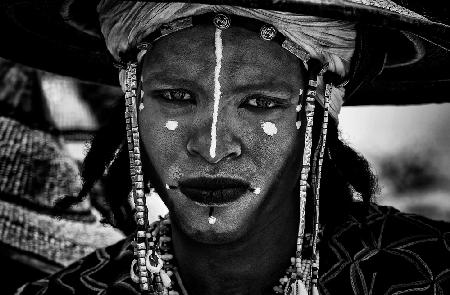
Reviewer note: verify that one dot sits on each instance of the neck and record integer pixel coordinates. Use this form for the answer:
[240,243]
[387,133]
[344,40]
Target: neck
[251,265]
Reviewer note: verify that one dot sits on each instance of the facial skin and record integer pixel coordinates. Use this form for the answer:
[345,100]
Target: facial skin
[260,82]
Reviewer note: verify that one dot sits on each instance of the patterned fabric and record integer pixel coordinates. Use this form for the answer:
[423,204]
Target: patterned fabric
[387,252]
[36,173]
[34,167]
[378,250]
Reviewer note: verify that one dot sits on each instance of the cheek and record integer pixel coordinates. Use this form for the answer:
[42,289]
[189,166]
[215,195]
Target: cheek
[277,140]
[270,143]
[162,140]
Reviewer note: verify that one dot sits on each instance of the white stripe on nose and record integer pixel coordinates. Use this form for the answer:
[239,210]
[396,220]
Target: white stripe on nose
[217,92]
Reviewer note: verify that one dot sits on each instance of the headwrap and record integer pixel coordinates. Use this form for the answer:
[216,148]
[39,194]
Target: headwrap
[125,24]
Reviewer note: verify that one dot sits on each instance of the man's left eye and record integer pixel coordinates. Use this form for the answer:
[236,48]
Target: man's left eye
[262,102]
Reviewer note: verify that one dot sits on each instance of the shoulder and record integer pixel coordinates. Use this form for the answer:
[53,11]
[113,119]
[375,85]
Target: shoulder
[388,252]
[396,227]
[390,219]
[104,271]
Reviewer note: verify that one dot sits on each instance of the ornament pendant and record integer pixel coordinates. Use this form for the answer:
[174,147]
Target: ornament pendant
[298,288]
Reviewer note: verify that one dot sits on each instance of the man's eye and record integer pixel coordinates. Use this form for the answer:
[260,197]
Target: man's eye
[262,102]
[176,95]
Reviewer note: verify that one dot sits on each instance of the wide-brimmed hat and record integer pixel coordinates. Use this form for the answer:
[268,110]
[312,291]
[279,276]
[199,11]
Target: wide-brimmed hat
[63,36]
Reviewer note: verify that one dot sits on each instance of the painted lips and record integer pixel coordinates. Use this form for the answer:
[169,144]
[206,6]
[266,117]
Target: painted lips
[213,191]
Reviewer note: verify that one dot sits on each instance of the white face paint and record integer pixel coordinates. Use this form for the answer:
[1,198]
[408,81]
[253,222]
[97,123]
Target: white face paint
[269,128]
[172,125]
[217,91]
[212,220]
[141,105]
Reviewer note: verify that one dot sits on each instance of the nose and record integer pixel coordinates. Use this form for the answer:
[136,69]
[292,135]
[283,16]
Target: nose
[228,145]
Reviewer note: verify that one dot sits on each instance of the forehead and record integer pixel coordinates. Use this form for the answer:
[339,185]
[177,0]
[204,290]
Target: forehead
[191,54]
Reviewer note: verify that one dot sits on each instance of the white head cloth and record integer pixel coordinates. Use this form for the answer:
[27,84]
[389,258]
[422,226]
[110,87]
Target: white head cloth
[125,24]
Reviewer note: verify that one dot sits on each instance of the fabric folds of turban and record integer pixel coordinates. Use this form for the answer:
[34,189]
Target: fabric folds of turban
[125,24]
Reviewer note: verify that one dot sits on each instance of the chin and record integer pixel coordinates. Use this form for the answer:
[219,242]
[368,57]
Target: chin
[233,221]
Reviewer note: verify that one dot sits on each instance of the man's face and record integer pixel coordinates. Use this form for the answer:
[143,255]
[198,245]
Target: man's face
[219,129]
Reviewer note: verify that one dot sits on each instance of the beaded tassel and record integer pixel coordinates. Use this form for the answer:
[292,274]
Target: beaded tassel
[317,169]
[309,111]
[309,117]
[137,182]
[316,179]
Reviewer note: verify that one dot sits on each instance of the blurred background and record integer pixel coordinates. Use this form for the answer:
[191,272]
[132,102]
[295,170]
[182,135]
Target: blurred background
[409,148]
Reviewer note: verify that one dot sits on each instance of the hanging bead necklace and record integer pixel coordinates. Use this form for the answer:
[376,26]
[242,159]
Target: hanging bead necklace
[165,279]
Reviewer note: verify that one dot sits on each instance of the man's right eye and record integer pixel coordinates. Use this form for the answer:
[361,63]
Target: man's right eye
[176,96]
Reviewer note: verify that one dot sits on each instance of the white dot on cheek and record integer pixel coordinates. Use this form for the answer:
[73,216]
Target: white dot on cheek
[269,128]
[257,191]
[171,125]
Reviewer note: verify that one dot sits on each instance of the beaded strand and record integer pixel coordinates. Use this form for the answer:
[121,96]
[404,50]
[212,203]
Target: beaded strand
[309,117]
[137,178]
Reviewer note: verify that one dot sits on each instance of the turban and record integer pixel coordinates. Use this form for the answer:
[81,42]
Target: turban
[125,24]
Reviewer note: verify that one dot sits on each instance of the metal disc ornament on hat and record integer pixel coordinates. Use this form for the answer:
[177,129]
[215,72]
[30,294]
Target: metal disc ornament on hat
[268,32]
[222,21]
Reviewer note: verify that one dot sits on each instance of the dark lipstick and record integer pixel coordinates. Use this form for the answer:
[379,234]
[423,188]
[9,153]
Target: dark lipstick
[213,191]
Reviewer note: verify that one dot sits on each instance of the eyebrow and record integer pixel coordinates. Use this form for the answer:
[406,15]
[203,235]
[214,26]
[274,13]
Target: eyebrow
[271,86]
[164,78]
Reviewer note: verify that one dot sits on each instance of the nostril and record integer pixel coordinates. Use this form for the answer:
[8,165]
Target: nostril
[235,152]
[227,151]
[191,149]
[228,146]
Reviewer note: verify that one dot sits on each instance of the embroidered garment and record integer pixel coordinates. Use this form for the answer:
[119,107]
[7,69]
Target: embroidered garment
[378,250]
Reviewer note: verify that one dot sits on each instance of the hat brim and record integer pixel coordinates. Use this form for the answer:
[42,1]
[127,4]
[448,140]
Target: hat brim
[42,34]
